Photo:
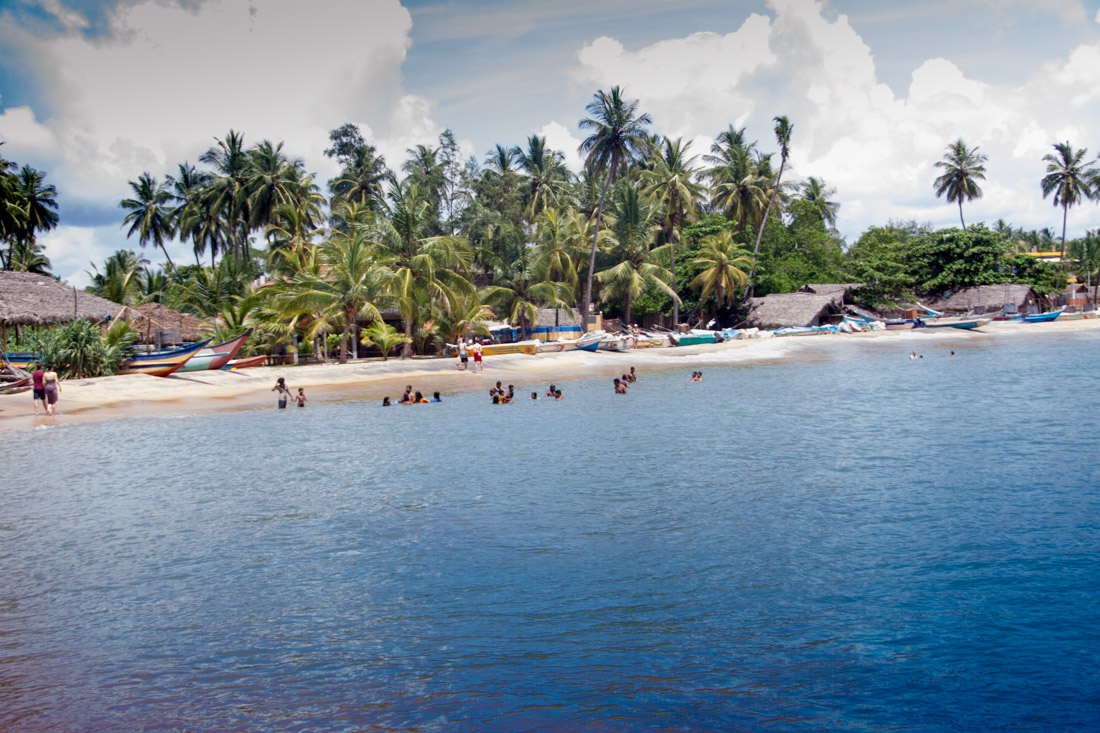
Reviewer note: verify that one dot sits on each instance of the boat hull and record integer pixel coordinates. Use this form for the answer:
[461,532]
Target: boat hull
[162,363]
[518,347]
[964,324]
[22,359]
[252,361]
[1041,317]
[202,361]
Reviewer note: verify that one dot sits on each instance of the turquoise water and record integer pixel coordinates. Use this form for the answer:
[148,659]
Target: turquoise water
[850,539]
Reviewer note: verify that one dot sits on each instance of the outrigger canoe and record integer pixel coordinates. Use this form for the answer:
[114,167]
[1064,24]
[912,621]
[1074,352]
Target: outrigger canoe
[966,324]
[216,356]
[252,361]
[518,347]
[161,363]
[1040,317]
[553,347]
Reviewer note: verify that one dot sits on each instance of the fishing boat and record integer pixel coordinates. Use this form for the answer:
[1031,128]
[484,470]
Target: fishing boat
[22,359]
[216,356]
[553,347]
[804,330]
[615,342]
[516,347]
[646,340]
[161,363]
[961,322]
[1040,317]
[252,361]
[13,379]
[592,343]
[696,338]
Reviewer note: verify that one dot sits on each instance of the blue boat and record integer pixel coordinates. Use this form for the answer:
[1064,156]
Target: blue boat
[1040,317]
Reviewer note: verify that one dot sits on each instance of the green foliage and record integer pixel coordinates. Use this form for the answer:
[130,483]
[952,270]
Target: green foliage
[384,336]
[78,350]
[955,258]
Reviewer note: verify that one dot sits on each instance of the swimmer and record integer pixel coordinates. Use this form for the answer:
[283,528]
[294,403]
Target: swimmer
[620,386]
[386,401]
[435,397]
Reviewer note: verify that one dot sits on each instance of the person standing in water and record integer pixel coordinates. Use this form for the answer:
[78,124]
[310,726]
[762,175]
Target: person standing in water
[300,399]
[620,386]
[283,390]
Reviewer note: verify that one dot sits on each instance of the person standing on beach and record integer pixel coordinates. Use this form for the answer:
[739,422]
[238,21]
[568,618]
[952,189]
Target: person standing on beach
[39,378]
[283,390]
[478,365]
[52,385]
[463,358]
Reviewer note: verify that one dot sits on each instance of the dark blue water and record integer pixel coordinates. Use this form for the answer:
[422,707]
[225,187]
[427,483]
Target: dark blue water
[859,541]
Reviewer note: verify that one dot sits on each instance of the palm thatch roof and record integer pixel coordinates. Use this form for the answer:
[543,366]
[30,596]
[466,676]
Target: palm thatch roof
[565,317]
[986,299]
[173,326]
[793,309]
[27,299]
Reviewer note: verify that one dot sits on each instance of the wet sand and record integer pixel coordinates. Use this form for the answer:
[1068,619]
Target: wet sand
[141,395]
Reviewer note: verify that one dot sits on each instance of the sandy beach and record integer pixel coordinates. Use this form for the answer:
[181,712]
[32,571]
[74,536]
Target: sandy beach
[142,395]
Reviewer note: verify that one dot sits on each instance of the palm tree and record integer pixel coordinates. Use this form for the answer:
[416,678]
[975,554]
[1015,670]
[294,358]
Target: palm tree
[270,182]
[522,289]
[355,284]
[361,181]
[467,315]
[227,194]
[186,191]
[554,247]
[1069,178]
[121,278]
[426,268]
[815,192]
[963,168]
[631,236]
[724,266]
[1087,253]
[783,129]
[739,186]
[382,335]
[150,215]
[546,175]
[671,183]
[617,136]
[37,209]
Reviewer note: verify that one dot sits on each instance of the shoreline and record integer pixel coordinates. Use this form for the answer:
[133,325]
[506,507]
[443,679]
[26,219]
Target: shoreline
[139,395]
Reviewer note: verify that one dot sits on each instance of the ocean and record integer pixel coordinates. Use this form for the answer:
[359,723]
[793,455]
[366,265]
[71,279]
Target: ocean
[845,538]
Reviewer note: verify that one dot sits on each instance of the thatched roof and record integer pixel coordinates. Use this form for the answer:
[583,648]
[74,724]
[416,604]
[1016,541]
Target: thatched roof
[828,288]
[793,309]
[565,316]
[149,318]
[27,299]
[984,299]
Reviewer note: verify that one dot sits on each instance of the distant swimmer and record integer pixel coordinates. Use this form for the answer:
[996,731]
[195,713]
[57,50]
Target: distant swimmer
[620,386]
[386,401]
[633,376]
[435,397]
[550,392]
[913,355]
[419,399]
[952,353]
[557,395]
[534,395]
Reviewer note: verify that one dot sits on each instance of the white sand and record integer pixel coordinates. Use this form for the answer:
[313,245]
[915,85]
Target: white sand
[139,394]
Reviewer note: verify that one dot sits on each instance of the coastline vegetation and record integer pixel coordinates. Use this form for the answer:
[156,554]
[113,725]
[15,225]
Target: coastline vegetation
[649,227]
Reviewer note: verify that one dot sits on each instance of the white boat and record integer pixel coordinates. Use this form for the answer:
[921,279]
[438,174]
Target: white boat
[615,342]
[552,347]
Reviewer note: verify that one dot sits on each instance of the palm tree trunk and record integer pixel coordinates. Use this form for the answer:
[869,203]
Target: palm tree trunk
[407,349]
[760,234]
[961,214]
[586,303]
[171,265]
[672,269]
[1062,257]
[627,303]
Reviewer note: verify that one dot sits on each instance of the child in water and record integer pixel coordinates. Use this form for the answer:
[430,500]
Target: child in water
[301,398]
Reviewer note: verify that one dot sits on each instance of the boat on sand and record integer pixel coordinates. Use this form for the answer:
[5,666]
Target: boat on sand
[161,363]
[216,356]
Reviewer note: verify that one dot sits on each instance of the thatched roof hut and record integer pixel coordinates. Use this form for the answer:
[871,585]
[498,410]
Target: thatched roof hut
[27,299]
[565,317]
[793,309]
[159,324]
[1012,298]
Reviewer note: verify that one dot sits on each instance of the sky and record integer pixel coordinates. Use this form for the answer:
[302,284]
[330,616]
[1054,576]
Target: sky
[96,92]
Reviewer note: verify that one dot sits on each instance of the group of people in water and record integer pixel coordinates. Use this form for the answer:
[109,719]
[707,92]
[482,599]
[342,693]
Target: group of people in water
[284,394]
[412,398]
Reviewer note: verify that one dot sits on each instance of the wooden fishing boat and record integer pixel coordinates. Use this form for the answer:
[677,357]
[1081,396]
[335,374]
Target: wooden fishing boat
[804,330]
[592,343]
[216,356]
[13,379]
[695,338]
[19,385]
[962,322]
[252,361]
[901,324]
[517,347]
[552,347]
[22,359]
[1040,317]
[161,363]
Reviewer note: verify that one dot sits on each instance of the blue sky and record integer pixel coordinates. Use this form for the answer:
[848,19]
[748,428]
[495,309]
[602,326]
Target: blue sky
[97,92]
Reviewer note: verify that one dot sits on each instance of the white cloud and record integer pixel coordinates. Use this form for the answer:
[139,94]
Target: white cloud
[876,147]
[561,138]
[166,80]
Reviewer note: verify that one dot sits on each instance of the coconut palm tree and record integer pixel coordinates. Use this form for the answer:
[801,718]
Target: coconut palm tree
[186,189]
[783,129]
[150,213]
[546,175]
[121,278]
[555,247]
[671,183]
[227,193]
[724,267]
[1087,253]
[816,192]
[962,169]
[522,288]
[617,136]
[631,236]
[270,181]
[426,268]
[356,283]
[740,186]
[382,335]
[1069,178]
[35,204]
[362,179]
